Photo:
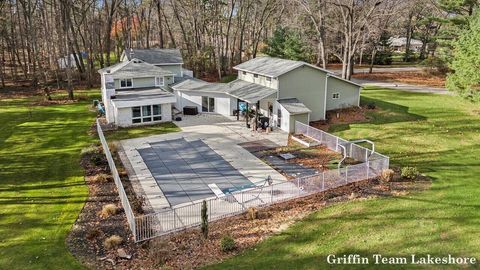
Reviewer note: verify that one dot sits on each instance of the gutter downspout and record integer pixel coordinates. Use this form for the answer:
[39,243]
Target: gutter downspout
[325,99]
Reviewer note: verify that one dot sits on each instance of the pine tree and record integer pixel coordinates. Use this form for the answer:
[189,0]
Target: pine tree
[465,78]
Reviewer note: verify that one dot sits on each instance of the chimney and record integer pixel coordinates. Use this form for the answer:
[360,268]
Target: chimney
[131,53]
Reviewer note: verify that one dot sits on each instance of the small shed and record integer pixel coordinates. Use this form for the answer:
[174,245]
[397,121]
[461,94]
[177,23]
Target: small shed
[293,110]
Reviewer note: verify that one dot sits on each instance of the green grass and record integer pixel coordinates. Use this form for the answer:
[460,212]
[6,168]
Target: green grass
[42,188]
[141,131]
[228,78]
[438,134]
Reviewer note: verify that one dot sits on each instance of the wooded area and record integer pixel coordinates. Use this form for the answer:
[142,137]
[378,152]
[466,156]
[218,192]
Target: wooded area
[37,36]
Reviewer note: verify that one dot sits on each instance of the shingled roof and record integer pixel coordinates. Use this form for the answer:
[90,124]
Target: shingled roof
[134,68]
[156,56]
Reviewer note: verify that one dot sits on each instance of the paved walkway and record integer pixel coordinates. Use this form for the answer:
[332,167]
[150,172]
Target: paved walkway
[222,135]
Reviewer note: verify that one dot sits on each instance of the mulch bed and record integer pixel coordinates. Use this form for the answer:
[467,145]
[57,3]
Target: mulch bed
[343,116]
[407,77]
[188,249]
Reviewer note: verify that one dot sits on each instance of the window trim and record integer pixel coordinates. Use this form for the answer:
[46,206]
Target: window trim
[336,95]
[151,116]
[126,86]
[160,84]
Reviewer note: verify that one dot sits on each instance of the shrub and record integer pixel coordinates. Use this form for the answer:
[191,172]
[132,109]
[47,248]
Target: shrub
[387,175]
[410,172]
[108,210]
[204,225]
[101,178]
[252,213]
[113,146]
[371,106]
[93,233]
[97,159]
[227,243]
[112,242]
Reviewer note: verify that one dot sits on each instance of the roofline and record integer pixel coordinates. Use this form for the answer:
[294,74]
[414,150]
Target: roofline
[163,64]
[329,73]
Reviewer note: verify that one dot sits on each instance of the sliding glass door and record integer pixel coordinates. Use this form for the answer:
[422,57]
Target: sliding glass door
[208,104]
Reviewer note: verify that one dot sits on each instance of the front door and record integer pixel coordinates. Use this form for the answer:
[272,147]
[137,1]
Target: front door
[208,104]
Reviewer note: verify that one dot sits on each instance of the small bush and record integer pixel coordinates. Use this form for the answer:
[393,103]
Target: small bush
[410,172]
[93,233]
[227,243]
[252,213]
[387,175]
[97,159]
[112,242]
[101,178]
[108,210]
[113,146]
[371,105]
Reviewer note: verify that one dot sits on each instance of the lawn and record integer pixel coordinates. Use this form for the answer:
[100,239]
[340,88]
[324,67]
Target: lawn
[438,134]
[141,131]
[42,188]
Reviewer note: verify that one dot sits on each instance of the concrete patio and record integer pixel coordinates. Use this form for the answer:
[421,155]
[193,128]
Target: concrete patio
[222,135]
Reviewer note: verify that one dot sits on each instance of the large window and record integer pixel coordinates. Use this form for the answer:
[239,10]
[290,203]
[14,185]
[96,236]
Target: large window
[208,104]
[145,114]
[125,83]
[159,81]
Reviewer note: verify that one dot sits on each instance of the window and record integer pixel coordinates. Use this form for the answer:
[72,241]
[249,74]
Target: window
[125,83]
[244,73]
[336,95]
[208,104]
[159,81]
[268,79]
[279,117]
[145,114]
[255,75]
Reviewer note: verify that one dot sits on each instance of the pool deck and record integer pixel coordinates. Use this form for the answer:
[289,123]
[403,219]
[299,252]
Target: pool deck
[222,135]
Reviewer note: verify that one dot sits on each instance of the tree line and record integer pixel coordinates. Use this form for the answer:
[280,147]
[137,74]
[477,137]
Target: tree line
[63,41]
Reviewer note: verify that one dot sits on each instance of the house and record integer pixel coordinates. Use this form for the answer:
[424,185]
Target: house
[144,90]
[134,92]
[398,44]
[283,90]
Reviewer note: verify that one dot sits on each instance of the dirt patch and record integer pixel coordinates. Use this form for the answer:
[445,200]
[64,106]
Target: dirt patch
[344,116]
[408,77]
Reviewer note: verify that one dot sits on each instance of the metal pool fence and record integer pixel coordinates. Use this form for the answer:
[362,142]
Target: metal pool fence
[148,226]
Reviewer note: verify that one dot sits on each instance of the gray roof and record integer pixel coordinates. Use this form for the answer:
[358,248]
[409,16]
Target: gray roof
[139,96]
[274,67]
[156,56]
[294,106]
[269,66]
[247,91]
[134,69]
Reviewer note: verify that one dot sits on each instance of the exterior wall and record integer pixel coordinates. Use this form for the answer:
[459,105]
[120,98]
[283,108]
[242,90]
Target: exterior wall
[175,69]
[145,82]
[307,84]
[349,94]
[298,117]
[259,80]
[123,116]
[224,104]
[264,105]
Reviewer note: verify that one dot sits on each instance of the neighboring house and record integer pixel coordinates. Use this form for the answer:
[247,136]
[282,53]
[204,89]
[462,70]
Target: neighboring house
[137,92]
[399,44]
[64,62]
[284,90]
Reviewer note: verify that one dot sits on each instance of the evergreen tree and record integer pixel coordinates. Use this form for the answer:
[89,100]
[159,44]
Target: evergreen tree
[465,78]
[287,44]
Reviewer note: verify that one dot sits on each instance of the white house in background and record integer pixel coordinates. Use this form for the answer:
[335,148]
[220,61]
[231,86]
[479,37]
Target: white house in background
[143,90]
[399,44]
